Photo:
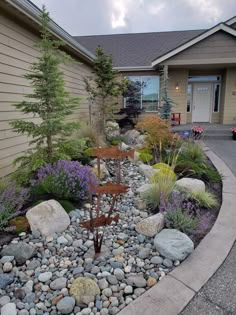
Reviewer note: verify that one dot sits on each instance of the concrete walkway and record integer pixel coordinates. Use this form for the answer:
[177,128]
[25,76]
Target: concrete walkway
[218,295]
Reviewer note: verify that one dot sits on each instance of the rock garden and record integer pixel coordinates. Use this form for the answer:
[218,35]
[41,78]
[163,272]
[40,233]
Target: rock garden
[89,223]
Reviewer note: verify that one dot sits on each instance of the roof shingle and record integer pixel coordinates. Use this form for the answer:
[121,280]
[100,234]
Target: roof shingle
[138,49]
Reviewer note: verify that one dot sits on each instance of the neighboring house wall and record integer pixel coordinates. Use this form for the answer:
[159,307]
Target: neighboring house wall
[17,52]
[218,46]
[229,115]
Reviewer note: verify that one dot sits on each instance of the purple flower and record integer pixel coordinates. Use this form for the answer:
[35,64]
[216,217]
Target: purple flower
[65,179]
[12,198]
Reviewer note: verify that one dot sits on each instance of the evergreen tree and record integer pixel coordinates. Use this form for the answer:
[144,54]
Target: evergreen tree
[104,86]
[49,102]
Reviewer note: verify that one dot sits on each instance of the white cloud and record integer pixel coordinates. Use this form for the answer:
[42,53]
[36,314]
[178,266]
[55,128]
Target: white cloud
[91,17]
[119,11]
[212,9]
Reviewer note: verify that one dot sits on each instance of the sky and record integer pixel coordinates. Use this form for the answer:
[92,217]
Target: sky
[96,17]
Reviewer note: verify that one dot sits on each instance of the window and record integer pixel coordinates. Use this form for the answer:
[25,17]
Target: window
[189,97]
[216,103]
[143,93]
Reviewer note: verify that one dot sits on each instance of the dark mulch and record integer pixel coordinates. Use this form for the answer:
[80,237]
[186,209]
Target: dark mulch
[6,237]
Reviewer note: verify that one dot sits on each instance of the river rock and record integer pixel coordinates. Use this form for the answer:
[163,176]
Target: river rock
[58,283]
[137,281]
[191,184]
[9,309]
[48,217]
[66,305]
[84,290]
[151,226]
[21,251]
[173,244]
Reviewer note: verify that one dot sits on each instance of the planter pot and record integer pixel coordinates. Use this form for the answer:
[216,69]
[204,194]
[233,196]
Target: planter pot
[234,136]
[196,135]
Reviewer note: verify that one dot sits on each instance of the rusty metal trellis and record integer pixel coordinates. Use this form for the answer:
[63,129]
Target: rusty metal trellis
[114,189]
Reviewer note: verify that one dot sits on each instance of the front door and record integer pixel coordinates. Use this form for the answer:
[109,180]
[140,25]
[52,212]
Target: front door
[202,98]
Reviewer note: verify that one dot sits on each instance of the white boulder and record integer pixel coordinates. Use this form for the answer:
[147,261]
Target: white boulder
[191,184]
[48,217]
[173,244]
[151,226]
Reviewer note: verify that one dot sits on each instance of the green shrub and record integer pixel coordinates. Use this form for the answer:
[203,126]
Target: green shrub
[161,189]
[181,220]
[164,171]
[73,149]
[192,152]
[145,157]
[204,198]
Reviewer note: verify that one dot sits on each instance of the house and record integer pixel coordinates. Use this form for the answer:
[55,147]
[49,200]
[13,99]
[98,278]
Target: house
[19,32]
[201,67]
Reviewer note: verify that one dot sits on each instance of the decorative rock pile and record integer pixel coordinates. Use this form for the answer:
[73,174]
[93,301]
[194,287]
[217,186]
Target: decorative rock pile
[58,274]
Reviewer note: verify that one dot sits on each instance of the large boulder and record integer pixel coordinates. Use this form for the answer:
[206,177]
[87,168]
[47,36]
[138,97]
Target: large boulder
[84,290]
[112,130]
[21,252]
[151,226]
[131,136]
[173,244]
[191,184]
[147,170]
[48,217]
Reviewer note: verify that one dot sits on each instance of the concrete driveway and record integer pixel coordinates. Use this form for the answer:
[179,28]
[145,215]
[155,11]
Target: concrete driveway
[218,295]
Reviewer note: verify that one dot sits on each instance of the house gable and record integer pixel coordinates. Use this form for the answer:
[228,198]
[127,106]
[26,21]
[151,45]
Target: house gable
[201,37]
[217,48]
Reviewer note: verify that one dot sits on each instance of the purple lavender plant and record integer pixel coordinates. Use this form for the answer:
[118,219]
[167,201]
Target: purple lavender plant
[65,179]
[12,200]
[179,213]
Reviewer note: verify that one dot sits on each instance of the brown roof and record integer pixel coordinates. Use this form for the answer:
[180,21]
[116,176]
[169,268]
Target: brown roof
[138,49]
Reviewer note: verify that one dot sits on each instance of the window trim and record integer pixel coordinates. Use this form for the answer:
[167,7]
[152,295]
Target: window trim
[141,100]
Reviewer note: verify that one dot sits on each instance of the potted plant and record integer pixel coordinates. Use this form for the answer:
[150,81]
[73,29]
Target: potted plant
[233,133]
[196,132]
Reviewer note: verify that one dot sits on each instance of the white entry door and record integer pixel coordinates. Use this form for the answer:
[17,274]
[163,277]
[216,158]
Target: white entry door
[202,99]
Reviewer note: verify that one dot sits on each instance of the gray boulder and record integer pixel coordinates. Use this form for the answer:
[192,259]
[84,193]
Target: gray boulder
[151,226]
[21,251]
[173,244]
[48,217]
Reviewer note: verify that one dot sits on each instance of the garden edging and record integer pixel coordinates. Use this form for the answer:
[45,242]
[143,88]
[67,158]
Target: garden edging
[176,290]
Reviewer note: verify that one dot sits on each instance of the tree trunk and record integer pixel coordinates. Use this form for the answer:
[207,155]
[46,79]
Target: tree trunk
[49,148]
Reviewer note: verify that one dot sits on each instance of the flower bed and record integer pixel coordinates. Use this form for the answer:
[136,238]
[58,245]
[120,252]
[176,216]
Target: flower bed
[129,264]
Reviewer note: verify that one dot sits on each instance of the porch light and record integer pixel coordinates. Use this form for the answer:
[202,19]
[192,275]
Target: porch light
[177,86]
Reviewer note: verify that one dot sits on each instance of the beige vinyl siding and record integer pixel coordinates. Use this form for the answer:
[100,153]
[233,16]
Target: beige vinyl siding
[218,46]
[17,52]
[229,114]
[179,76]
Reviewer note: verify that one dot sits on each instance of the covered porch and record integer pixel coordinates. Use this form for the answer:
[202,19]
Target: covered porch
[204,93]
